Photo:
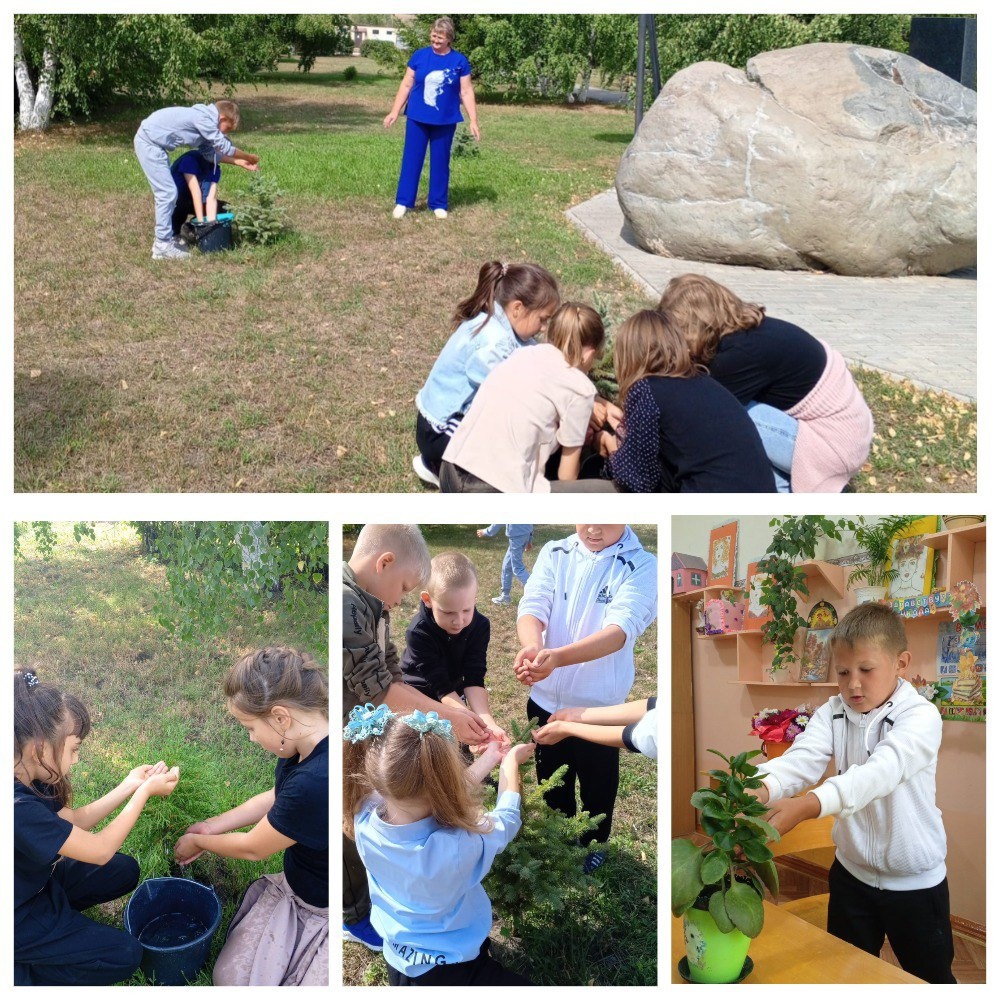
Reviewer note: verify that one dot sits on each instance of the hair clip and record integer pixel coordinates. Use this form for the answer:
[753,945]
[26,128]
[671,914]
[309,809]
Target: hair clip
[503,269]
[429,723]
[367,720]
[30,678]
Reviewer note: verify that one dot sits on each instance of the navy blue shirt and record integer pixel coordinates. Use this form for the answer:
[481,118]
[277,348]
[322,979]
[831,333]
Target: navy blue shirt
[301,796]
[434,99]
[688,435]
[38,835]
[192,162]
[777,363]
[437,662]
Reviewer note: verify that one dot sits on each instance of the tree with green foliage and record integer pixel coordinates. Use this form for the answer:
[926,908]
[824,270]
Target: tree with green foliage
[80,64]
[733,39]
[220,570]
[312,35]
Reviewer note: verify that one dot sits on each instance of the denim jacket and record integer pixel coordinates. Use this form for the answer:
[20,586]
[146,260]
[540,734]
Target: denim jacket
[464,363]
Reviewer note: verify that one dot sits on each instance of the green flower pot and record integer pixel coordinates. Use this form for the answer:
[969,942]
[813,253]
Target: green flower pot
[713,957]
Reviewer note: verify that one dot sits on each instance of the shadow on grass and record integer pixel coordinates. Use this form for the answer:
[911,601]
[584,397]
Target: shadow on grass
[286,114]
[296,78]
[55,415]
[616,138]
[472,194]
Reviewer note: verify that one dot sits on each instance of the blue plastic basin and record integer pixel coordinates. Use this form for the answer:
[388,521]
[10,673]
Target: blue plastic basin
[174,920]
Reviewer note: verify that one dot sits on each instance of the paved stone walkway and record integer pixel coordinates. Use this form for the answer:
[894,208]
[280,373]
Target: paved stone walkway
[917,328]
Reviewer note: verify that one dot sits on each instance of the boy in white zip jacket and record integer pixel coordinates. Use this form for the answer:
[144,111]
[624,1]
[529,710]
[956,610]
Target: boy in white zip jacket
[888,878]
[587,601]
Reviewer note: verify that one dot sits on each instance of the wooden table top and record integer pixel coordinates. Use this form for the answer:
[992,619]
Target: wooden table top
[789,950]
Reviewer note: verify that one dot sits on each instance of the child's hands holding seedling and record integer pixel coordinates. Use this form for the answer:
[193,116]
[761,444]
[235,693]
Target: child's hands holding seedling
[139,774]
[163,782]
[521,753]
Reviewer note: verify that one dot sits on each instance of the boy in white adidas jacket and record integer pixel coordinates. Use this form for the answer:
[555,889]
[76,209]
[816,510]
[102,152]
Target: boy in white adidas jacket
[588,599]
[888,878]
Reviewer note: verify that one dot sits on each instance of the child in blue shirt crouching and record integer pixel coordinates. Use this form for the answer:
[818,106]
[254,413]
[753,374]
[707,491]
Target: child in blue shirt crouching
[426,844]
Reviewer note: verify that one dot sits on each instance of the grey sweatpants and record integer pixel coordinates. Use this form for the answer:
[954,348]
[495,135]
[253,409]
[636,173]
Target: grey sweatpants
[155,163]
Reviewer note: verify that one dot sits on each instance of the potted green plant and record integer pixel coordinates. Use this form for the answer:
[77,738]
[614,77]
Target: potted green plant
[794,540]
[719,888]
[875,538]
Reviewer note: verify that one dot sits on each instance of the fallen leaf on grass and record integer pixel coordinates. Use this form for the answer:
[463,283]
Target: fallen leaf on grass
[124,384]
[35,372]
[341,451]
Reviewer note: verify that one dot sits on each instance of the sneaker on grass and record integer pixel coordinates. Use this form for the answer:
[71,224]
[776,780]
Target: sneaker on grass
[399,211]
[440,213]
[363,933]
[169,250]
[594,861]
[420,468]
[502,599]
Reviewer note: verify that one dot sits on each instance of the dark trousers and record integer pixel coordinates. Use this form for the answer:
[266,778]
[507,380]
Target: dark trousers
[916,921]
[420,136]
[357,901]
[431,443]
[55,945]
[454,479]
[483,970]
[595,767]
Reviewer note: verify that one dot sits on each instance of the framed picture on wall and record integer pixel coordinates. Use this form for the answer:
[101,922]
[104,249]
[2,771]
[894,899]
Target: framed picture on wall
[756,614]
[912,561]
[722,555]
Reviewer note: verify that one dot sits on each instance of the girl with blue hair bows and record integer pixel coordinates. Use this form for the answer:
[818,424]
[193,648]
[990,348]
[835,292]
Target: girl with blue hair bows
[415,811]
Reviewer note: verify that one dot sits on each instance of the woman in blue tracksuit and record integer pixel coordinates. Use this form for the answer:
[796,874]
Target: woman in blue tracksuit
[437,81]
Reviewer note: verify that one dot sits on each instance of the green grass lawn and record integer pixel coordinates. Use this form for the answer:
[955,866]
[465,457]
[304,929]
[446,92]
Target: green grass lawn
[609,938]
[293,368]
[86,621]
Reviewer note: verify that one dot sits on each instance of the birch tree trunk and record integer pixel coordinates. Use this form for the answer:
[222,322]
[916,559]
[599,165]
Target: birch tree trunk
[36,105]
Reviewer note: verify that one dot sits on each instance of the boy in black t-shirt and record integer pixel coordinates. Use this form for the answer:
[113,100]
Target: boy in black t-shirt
[446,641]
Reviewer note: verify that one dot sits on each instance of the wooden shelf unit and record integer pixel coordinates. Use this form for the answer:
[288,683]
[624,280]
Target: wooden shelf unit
[961,556]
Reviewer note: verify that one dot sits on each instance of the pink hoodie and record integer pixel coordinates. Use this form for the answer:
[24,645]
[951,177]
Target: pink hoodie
[835,430]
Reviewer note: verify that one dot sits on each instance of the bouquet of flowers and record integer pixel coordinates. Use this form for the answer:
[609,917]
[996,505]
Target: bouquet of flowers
[780,725]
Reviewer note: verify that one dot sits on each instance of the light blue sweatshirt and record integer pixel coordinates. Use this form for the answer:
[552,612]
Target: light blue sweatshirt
[427,900]
[197,126]
[463,365]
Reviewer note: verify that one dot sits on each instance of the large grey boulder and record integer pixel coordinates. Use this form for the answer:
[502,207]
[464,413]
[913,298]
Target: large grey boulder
[830,156]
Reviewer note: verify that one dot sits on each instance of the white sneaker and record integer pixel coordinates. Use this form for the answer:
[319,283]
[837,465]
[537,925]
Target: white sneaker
[502,599]
[423,472]
[399,211]
[440,213]
[169,250]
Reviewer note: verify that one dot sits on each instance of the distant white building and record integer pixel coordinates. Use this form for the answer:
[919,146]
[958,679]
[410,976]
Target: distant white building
[376,33]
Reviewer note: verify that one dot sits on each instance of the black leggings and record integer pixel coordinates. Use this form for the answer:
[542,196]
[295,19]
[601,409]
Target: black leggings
[56,945]
[916,921]
[483,970]
[595,767]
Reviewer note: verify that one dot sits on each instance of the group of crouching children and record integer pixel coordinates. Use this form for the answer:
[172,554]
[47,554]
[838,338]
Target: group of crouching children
[420,736]
[713,396]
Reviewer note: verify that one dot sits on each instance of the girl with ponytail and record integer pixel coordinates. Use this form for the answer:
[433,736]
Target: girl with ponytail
[61,866]
[280,697]
[415,811]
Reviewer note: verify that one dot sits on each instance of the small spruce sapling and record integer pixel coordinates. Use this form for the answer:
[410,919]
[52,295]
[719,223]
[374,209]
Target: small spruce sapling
[542,868]
[258,217]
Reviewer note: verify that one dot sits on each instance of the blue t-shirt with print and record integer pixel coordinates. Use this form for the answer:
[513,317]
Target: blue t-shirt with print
[193,162]
[434,99]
